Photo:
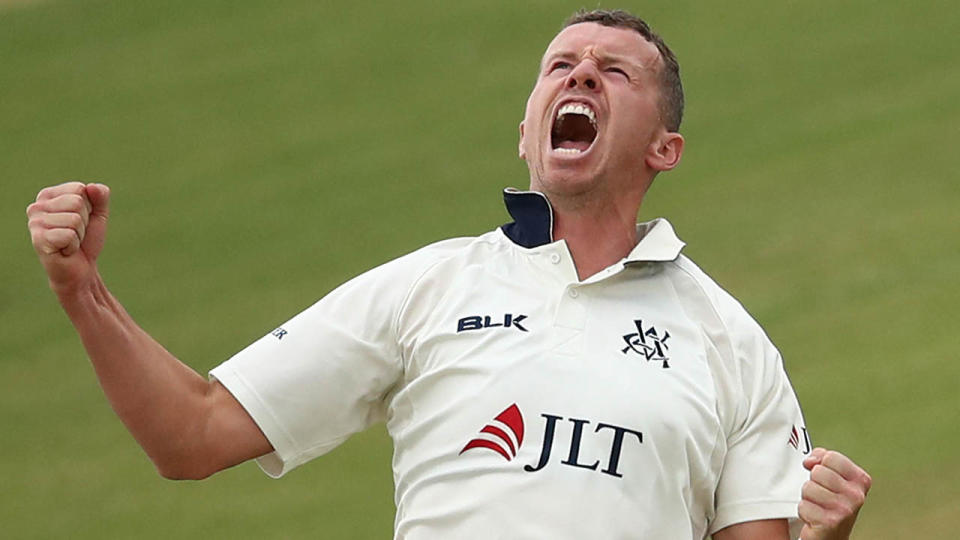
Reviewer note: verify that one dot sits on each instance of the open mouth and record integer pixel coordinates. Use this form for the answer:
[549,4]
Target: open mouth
[574,128]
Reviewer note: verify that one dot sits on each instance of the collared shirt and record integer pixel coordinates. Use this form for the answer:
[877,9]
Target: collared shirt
[642,402]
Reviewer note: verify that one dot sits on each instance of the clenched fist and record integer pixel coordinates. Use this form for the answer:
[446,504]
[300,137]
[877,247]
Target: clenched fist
[833,496]
[68,225]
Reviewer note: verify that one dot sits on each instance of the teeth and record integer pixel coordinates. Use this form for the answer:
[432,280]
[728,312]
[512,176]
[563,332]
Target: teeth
[578,108]
[567,150]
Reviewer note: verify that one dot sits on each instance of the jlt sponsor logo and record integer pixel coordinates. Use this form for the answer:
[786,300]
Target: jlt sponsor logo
[496,436]
[796,439]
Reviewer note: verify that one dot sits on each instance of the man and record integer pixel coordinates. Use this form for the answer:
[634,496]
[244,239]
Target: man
[568,375]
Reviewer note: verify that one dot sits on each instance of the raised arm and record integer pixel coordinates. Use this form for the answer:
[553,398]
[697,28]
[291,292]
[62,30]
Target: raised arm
[189,427]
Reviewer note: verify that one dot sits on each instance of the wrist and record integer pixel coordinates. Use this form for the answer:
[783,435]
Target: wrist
[81,295]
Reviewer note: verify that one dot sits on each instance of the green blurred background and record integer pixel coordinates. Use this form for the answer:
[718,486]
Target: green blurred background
[262,153]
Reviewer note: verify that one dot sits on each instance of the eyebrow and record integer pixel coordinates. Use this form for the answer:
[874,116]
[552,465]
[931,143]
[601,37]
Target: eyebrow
[605,58]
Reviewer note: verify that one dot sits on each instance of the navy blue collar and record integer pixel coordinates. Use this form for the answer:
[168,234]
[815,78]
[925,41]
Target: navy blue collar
[532,226]
[532,215]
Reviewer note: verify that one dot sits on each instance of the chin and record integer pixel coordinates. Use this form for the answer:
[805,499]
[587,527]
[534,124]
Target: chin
[565,182]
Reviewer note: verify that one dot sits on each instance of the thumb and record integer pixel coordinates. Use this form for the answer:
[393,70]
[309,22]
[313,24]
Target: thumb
[99,197]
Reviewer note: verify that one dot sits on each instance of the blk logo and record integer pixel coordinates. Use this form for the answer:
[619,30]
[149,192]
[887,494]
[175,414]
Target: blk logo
[278,333]
[795,439]
[478,322]
[648,343]
[511,420]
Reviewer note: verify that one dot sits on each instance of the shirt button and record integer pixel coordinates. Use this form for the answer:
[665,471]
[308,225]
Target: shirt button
[555,258]
[574,293]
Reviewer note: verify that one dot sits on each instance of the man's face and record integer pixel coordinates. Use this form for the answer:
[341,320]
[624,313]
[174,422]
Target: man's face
[593,114]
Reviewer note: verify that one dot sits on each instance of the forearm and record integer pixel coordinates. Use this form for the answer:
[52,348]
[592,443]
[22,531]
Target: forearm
[159,399]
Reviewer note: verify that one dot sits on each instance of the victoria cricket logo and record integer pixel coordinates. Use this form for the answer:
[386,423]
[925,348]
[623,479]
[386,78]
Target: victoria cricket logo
[648,343]
[494,436]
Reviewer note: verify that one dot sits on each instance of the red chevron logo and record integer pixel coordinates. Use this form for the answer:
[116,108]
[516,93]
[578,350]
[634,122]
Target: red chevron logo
[794,438]
[512,419]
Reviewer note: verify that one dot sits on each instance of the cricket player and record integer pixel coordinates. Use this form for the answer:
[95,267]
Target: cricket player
[568,375]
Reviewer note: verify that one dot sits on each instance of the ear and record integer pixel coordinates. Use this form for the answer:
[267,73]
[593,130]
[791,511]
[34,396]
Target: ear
[664,152]
[523,155]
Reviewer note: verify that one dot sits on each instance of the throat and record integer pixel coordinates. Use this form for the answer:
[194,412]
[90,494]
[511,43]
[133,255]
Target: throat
[581,232]
[573,132]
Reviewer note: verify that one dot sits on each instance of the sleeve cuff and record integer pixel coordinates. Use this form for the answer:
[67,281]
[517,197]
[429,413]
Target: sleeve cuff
[283,458]
[732,514]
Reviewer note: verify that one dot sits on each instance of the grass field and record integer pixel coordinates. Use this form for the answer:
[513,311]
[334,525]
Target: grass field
[262,153]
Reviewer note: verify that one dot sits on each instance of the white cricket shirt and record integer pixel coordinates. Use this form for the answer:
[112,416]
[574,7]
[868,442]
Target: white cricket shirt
[643,402]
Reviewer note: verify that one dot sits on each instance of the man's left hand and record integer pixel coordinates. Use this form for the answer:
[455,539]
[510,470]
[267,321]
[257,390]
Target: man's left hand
[832,497]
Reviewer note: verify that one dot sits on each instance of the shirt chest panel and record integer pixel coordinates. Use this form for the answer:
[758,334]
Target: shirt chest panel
[620,352]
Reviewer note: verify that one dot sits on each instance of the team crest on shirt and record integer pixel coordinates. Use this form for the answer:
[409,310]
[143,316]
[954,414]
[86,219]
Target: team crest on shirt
[649,343]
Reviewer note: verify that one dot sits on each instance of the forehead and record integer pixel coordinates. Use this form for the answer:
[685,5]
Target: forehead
[594,39]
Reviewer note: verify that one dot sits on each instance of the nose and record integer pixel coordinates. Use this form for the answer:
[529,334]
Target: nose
[584,76]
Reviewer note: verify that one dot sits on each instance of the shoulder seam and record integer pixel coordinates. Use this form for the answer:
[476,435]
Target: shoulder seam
[731,347]
[710,301]
[412,286]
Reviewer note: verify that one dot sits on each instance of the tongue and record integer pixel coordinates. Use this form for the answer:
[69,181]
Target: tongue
[579,145]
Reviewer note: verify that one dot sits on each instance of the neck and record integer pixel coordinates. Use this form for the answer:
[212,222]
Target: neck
[598,232]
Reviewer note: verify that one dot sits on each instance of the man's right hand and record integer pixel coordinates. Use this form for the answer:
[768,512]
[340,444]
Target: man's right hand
[68,226]
[189,426]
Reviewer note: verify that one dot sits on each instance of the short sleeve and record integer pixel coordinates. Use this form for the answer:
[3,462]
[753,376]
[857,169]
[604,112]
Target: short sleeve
[324,374]
[762,471]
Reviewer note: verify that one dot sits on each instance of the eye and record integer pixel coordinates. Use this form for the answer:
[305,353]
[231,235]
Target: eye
[559,65]
[618,71]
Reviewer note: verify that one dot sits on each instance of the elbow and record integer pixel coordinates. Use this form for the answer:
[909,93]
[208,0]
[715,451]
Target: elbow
[181,474]
[182,469]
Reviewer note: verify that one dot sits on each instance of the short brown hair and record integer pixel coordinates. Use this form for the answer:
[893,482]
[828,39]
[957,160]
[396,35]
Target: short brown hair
[671,89]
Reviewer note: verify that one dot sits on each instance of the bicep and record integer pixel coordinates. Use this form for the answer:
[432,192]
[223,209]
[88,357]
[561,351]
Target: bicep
[765,529]
[232,435]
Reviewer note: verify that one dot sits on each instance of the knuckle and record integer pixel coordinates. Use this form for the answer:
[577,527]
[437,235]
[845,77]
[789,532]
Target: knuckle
[834,460]
[74,199]
[857,498]
[48,238]
[50,192]
[35,207]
